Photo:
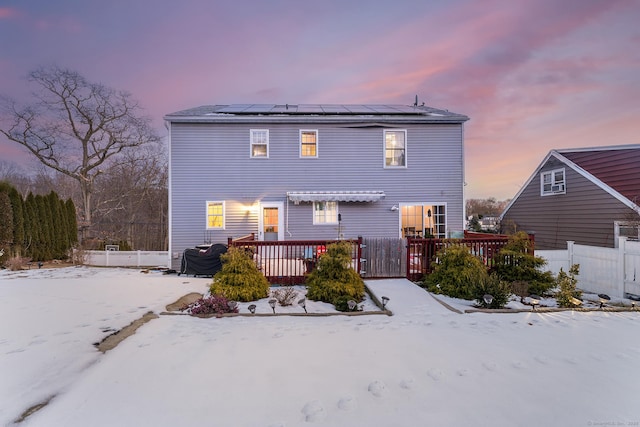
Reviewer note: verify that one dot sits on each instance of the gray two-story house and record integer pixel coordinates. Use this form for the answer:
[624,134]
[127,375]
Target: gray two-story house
[297,172]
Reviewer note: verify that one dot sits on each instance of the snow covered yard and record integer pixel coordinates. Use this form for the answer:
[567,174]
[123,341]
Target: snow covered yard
[425,365]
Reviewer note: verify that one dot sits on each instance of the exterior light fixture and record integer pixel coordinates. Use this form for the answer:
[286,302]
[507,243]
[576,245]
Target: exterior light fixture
[303,303]
[604,299]
[488,299]
[252,308]
[633,305]
[232,305]
[394,208]
[272,303]
[534,300]
[385,300]
[352,304]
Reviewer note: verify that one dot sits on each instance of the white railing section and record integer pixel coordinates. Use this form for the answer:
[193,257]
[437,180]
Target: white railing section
[612,271]
[127,258]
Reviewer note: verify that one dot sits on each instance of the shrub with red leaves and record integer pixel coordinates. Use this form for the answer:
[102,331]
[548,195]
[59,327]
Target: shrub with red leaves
[213,304]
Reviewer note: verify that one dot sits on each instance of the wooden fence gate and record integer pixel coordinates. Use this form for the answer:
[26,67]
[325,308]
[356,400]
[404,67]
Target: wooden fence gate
[384,257]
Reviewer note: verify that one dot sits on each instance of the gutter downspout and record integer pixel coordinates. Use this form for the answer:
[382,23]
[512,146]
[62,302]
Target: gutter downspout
[286,217]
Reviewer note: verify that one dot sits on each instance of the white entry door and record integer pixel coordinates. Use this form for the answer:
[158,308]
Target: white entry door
[271,221]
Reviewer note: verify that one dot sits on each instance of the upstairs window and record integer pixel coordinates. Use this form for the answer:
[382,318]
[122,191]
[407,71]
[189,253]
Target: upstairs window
[552,182]
[325,212]
[395,148]
[259,143]
[215,215]
[308,143]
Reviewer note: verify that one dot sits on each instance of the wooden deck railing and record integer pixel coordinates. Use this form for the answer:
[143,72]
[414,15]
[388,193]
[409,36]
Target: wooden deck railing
[287,262]
[421,253]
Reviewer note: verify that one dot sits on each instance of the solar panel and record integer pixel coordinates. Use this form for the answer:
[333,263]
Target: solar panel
[319,109]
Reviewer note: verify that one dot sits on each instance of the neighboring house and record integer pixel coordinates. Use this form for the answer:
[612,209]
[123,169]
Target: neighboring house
[489,223]
[296,172]
[587,195]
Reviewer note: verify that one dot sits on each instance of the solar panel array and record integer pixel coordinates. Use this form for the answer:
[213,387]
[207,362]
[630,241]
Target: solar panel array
[362,110]
[320,109]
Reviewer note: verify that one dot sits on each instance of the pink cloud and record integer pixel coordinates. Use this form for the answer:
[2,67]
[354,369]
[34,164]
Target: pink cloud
[7,12]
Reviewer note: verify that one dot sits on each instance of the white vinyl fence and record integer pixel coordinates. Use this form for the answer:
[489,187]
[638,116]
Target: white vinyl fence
[611,271]
[127,258]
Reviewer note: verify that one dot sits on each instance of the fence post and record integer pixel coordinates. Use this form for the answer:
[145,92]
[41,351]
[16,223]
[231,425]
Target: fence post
[360,260]
[622,249]
[570,244]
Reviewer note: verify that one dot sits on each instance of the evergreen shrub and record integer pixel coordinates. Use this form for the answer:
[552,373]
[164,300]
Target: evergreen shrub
[334,278]
[492,285]
[567,286]
[517,262]
[239,279]
[457,273]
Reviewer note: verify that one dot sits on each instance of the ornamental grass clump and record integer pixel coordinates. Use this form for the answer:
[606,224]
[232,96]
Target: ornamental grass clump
[334,278]
[239,279]
[285,295]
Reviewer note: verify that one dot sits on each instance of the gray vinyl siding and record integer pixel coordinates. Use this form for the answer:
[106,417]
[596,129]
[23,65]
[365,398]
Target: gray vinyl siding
[585,214]
[212,162]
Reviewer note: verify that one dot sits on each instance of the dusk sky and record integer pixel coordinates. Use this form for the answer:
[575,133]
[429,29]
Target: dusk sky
[533,75]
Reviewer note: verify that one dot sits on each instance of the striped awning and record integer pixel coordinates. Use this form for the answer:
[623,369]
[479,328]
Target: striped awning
[335,196]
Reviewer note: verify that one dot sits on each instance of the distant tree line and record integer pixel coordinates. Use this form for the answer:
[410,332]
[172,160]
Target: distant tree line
[477,209]
[130,202]
[39,227]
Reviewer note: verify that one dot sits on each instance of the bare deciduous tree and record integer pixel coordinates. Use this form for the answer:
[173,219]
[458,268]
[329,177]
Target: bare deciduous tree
[76,127]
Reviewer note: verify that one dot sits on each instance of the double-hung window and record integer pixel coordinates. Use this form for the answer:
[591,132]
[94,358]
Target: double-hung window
[325,213]
[215,215]
[308,143]
[552,182]
[395,148]
[259,143]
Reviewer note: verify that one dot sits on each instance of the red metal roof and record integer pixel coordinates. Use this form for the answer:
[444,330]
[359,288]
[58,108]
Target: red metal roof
[618,168]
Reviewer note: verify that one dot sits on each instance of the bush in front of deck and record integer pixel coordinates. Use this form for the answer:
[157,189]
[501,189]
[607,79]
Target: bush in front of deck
[494,286]
[516,262]
[457,273]
[334,278]
[239,279]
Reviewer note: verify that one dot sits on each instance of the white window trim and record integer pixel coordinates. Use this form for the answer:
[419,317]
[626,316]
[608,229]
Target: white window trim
[425,204]
[384,149]
[313,212]
[561,188]
[206,215]
[251,143]
[618,224]
[300,143]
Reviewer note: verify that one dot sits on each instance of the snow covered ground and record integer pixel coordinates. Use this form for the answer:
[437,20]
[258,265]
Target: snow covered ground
[425,365]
